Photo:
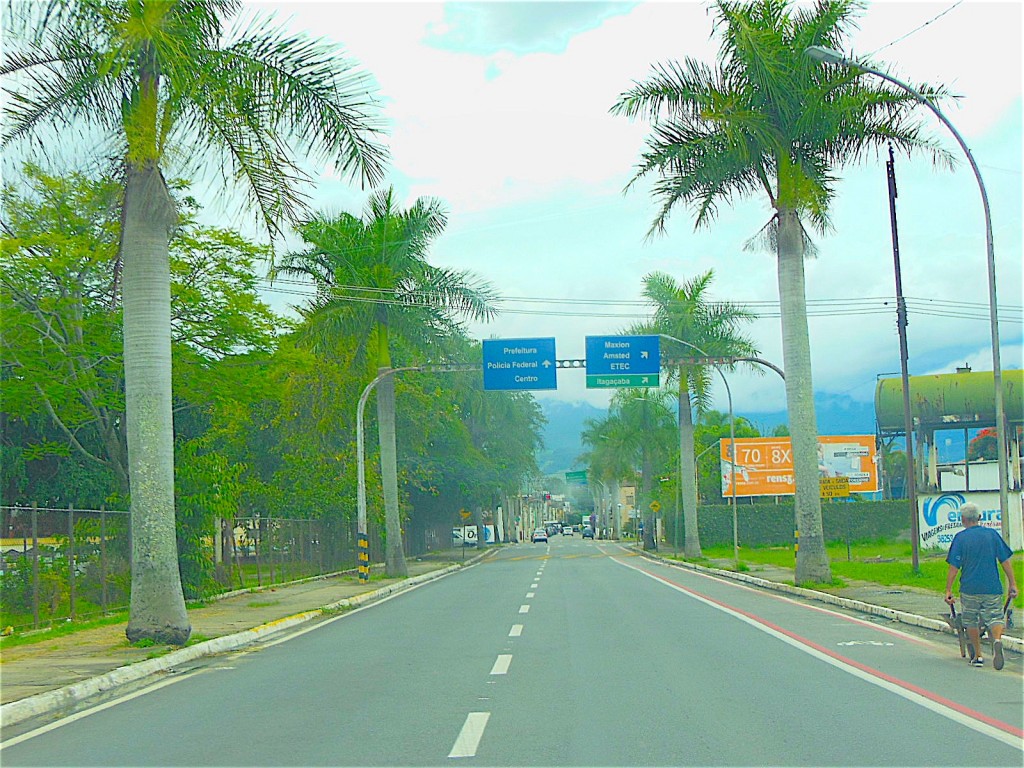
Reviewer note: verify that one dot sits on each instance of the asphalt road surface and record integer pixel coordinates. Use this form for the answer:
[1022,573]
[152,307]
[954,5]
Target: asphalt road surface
[574,652]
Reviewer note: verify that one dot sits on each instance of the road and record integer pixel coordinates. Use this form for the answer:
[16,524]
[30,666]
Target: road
[574,652]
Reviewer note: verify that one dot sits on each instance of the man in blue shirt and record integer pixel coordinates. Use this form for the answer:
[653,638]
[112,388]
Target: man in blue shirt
[974,554]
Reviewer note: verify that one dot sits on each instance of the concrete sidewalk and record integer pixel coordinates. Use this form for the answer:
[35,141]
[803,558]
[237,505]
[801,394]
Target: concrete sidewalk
[53,675]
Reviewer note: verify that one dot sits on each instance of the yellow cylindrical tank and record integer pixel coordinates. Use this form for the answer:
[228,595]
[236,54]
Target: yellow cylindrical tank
[949,399]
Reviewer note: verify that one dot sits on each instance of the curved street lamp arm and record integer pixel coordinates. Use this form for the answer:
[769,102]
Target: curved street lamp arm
[732,441]
[360,451]
[763,362]
[822,54]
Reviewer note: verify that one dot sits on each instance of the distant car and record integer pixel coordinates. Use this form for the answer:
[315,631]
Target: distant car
[588,532]
[567,530]
[539,535]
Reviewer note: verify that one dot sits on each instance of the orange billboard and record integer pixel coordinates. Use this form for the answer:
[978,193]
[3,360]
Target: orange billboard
[764,465]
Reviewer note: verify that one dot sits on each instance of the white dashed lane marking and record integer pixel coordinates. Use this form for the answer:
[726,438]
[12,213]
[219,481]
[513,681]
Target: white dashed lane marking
[470,735]
[524,609]
[501,664]
[516,631]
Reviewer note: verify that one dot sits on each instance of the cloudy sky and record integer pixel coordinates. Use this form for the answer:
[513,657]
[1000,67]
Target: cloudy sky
[502,110]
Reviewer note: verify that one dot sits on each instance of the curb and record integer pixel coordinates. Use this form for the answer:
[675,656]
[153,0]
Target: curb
[15,712]
[1009,642]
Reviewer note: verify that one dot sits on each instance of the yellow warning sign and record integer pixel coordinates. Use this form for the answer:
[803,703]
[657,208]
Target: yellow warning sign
[834,487]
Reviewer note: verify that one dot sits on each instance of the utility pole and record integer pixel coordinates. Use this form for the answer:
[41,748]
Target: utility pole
[901,328]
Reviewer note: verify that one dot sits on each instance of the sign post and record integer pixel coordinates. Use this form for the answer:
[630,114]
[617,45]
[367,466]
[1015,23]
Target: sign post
[363,556]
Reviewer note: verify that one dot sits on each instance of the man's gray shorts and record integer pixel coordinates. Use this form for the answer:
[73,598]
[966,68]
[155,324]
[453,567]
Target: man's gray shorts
[981,610]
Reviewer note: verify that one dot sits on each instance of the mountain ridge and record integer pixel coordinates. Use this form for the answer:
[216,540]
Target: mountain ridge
[837,415]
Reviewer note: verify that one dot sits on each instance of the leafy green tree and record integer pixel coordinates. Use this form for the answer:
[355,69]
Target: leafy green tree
[684,311]
[61,347]
[767,120]
[374,284]
[162,82]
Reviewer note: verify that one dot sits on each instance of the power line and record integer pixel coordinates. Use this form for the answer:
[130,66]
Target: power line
[641,310]
[917,29]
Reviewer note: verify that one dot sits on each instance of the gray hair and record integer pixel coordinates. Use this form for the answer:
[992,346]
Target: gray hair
[970,511]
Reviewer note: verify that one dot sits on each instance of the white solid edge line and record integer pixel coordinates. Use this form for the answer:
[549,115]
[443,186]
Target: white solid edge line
[524,609]
[470,735]
[820,609]
[916,698]
[98,708]
[501,664]
[252,647]
[516,631]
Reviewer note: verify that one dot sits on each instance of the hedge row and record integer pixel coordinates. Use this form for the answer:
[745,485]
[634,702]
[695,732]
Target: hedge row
[769,524]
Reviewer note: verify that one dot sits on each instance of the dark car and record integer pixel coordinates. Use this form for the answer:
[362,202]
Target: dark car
[588,532]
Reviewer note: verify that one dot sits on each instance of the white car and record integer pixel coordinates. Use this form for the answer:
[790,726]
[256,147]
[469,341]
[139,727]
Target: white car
[567,530]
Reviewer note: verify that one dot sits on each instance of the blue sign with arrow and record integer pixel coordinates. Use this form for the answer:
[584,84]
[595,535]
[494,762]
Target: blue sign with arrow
[623,361]
[520,364]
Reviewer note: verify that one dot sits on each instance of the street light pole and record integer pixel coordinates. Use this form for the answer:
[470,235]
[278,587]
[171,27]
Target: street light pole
[361,527]
[828,56]
[732,445]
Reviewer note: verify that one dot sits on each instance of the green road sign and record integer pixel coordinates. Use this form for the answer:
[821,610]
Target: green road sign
[614,380]
[579,476]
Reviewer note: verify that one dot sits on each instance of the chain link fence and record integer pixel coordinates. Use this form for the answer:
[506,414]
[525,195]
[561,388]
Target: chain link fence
[74,564]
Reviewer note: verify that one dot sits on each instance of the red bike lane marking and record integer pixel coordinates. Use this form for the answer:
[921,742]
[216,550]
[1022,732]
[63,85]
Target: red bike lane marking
[868,673]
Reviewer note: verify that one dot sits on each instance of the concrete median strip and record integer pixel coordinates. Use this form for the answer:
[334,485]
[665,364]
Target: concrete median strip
[15,712]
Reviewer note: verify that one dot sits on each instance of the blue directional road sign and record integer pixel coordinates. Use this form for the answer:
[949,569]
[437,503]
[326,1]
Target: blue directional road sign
[519,364]
[623,361]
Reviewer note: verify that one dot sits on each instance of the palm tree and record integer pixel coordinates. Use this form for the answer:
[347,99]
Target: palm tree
[638,430]
[683,311]
[163,85]
[768,120]
[374,286]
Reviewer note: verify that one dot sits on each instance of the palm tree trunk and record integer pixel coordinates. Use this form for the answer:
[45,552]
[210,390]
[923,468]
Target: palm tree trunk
[394,556]
[688,471]
[812,561]
[157,610]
